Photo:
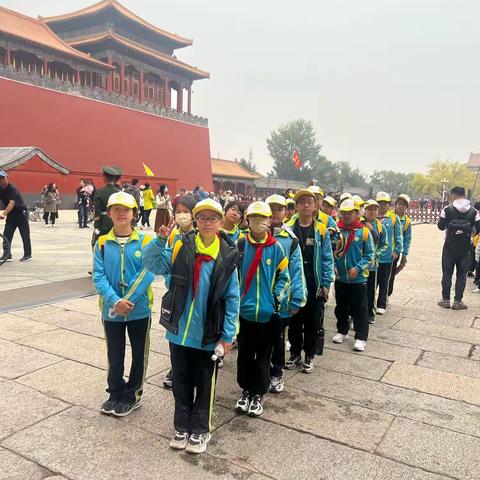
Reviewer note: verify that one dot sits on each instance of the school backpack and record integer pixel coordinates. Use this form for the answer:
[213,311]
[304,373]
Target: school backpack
[459,227]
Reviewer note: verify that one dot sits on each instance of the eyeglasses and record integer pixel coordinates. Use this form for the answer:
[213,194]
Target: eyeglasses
[306,203]
[203,219]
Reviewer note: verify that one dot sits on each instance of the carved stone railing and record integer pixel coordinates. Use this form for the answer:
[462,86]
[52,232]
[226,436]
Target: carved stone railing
[101,94]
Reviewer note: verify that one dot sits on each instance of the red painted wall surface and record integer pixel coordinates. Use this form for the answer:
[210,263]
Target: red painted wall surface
[85,134]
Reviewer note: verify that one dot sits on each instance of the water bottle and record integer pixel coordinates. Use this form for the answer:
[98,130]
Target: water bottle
[218,352]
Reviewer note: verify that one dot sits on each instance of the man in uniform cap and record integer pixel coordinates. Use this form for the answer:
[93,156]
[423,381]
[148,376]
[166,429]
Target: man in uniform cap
[102,223]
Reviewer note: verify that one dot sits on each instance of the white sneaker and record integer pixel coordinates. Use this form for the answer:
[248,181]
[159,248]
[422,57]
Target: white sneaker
[339,338]
[381,311]
[477,290]
[197,443]
[360,345]
[179,441]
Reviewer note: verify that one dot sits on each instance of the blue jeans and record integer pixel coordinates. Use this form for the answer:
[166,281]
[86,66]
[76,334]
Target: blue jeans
[82,215]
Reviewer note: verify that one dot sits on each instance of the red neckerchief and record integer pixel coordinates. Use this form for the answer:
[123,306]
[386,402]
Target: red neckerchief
[199,259]
[256,259]
[351,232]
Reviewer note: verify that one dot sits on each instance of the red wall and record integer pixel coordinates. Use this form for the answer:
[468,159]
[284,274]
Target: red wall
[85,134]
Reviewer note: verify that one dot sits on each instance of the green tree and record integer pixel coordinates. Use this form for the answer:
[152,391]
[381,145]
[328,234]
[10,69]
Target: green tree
[297,135]
[392,182]
[344,177]
[248,165]
[442,175]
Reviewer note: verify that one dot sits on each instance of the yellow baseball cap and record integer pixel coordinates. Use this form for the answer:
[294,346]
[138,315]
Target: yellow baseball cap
[405,198]
[302,192]
[290,201]
[370,203]
[383,197]
[358,199]
[344,196]
[349,205]
[315,189]
[122,198]
[208,204]
[277,200]
[259,208]
[330,200]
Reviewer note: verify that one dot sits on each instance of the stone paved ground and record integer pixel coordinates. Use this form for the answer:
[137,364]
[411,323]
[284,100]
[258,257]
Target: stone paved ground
[407,408]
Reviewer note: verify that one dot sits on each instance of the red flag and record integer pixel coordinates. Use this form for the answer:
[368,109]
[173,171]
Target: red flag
[296,159]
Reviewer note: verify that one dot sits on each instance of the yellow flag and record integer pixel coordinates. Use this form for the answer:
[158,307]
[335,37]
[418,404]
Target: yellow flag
[148,172]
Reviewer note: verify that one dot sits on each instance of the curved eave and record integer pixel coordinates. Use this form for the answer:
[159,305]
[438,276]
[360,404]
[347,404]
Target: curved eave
[42,155]
[104,4]
[196,73]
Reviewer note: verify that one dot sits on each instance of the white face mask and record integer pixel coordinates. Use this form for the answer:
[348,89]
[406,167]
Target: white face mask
[183,219]
[258,225]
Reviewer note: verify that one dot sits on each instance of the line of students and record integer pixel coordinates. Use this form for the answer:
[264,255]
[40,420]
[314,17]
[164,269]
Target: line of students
[224,284]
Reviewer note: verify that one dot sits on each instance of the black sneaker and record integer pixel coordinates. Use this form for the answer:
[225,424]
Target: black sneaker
[307,365]
[276,385]
[371,320]
[256,408]
[243,402]
[293,362]
[168,383]
[459,306]
[108,407]
[4,259]
[26,258]
[122,408]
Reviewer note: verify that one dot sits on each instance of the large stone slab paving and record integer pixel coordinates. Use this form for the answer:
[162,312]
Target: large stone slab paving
[272,454]
[475,355]
[13,327]
[72,382]
[429,311]
[435,382]
[422,342]
[448,363]
[438,411]
[84,445]
[376,349]
[82,305]
[156,414]
[15,467]
[435,449]
[23,406]
[353,363]
[87,349]
[36,312]
[73,320]
[460,334]
[17,360]
[339,421]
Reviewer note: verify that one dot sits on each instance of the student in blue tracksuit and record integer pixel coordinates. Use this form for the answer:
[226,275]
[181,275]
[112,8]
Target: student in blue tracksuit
[370,219]
[264,289]
[297,297]
[306,332]
[126,300]
[232,219]
[393,227]
[401,205]
[354,255]
[200,313]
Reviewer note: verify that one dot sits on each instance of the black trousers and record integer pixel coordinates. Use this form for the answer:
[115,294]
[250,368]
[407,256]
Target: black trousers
[18,219]
[371,290]
[352,301]
[255,341]
[383,280]
[302,333]
[278,348]
[194,380]
[139,335]
[391,280]
[52,215]
[146,217]
[460,262]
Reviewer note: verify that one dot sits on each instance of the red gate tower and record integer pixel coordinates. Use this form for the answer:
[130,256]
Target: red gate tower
[102,86]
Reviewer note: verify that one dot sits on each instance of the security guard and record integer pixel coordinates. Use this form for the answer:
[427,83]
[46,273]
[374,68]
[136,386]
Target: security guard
[102,223]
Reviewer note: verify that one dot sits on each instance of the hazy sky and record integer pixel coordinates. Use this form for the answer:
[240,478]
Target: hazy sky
[387,83]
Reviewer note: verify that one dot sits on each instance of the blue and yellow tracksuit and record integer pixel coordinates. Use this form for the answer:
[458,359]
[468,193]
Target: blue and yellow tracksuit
[158,258]
[407,234]
[118,274]
[233,234]
[382,244]
[393,227]
[324,271]
[270,280]
[360,255]
[297,295]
